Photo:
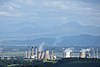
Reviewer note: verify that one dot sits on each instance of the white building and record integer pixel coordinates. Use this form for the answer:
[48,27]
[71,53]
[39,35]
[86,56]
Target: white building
[67,52]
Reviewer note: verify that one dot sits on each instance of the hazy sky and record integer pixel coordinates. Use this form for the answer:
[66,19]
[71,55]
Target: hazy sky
[50,12]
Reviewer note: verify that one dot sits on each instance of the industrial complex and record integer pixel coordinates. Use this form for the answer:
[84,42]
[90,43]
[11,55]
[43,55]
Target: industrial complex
[34,53]
[37,53]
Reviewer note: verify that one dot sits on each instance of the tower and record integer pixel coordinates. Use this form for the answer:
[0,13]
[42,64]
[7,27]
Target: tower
[93,53]
[53,56]
[29,53]
[82,53]
[47,55]
[87,52]
[36,52]
[32,56]
[42,56]
[67,52]
[32,51]
[26,54]
[39,56]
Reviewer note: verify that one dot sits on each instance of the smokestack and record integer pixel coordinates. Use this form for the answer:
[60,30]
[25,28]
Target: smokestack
[29,52]
[26,55]
[36,52]
[42,56]
[39,56]
[32,51]
[47,55]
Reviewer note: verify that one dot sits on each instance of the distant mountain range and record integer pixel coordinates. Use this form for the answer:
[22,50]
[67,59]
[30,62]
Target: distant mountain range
[69,34]
[79,40]
[35,30]
[73,28]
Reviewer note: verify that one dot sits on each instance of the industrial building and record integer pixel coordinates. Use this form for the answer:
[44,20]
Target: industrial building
[67,53]
[47,55]
[40,55]
[88,53]
[7,57]
[35,54]
[82,53]
[53,56]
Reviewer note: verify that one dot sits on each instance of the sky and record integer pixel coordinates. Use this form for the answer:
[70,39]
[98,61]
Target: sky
[49,13]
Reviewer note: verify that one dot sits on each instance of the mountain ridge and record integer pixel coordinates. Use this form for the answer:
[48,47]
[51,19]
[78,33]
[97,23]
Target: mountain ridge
[78,40]
[67,29]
